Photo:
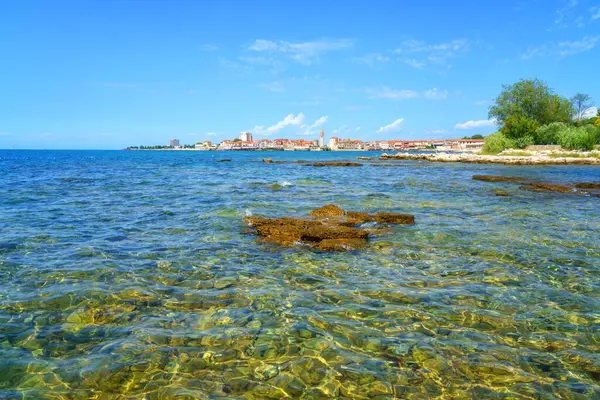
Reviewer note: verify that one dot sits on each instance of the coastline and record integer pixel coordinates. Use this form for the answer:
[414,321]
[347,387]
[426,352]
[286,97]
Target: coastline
[535,158]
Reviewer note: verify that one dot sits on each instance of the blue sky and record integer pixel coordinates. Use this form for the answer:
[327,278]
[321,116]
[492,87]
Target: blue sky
[108,74]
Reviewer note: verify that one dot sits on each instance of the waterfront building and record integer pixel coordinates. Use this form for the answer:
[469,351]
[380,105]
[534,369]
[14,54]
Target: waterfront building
[246,136]
[333,142]
[322,139]
[174,143]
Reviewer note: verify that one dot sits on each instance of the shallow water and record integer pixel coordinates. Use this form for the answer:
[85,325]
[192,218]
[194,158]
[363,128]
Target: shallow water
[126,274]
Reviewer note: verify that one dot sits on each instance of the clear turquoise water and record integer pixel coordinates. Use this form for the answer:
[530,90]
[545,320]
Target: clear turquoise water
[127,275]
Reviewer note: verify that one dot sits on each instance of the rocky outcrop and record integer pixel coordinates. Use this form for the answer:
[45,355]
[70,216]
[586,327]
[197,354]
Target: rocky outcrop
[549,187]
[543,187]
[537,159]
[495,178]
[328,228]
[335,164]
[224,160]
[330,210]
[587,185]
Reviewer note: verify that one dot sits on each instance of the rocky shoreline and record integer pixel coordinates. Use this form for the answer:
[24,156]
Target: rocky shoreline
[535,158]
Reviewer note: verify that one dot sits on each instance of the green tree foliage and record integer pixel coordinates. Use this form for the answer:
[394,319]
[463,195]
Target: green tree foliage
[477,136]
[517,126]
[581,102]
[548,134]
[582,138]
[237,140]
[497,142]
[526,105]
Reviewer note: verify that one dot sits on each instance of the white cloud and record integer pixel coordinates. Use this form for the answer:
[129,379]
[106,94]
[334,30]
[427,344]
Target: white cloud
[435,94]
[209,47]
[394,126]
[595,11]
[289,120]
[272,86]
[413,62]
[388,93]
[562,49]
[373,58]
[435,131]
[423,53]
[589,113]
[357,128]
[211,134]
[304,52]
[482,123]
[319,122]
[577,46]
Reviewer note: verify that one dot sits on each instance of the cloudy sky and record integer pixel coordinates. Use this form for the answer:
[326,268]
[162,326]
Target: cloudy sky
[108,74]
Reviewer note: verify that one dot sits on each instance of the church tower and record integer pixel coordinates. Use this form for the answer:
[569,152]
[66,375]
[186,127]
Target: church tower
[322,139]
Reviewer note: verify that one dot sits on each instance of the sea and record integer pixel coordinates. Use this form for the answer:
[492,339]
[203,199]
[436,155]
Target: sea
[131,275]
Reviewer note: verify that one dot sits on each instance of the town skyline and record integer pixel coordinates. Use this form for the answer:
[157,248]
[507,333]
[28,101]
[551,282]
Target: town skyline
[245,141]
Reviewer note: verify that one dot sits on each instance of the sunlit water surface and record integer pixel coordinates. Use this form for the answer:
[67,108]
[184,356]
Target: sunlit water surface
[128,275]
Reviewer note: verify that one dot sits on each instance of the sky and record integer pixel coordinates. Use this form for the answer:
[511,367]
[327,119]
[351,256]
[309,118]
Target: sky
[110,74]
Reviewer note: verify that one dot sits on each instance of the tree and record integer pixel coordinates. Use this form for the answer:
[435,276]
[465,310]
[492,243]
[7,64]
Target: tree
[237,140]
[478,136]
[524,106]
[582,102]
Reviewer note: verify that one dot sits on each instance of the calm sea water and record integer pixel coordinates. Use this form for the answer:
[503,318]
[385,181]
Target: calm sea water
[128,273]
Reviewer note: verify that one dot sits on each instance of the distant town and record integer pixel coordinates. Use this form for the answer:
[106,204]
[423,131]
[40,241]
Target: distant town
[246,142]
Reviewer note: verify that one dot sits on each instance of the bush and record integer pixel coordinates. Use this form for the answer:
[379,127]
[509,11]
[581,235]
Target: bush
[524,141]
[548,134]
[597,122]
[572,138]
[497,142]
[519,126]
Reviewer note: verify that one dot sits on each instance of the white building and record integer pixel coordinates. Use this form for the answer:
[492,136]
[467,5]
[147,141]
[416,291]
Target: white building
[246,136]
[322,139]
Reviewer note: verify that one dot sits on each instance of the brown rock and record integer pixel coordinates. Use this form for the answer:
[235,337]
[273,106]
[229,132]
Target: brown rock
[268,160]
[551,187]
[341,244]
[587,185]
[336,164]
[500,192]
[532,189]
[330,228]
[394,218]
[330,210]
[493,178]
[357,217]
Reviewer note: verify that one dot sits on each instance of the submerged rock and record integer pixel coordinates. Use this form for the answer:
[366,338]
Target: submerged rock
[552,187]
[328,228]
[587,185]
[494,178]
[335,164]
[539,186]
[224,160]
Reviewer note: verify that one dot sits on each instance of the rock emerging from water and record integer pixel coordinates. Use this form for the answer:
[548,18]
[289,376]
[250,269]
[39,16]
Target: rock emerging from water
[335,164]
[587,185]
[541,187]
[224,160]
[328,228]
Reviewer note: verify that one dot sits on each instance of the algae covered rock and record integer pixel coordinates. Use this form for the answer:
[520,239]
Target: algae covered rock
[330,210]
[328,228]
